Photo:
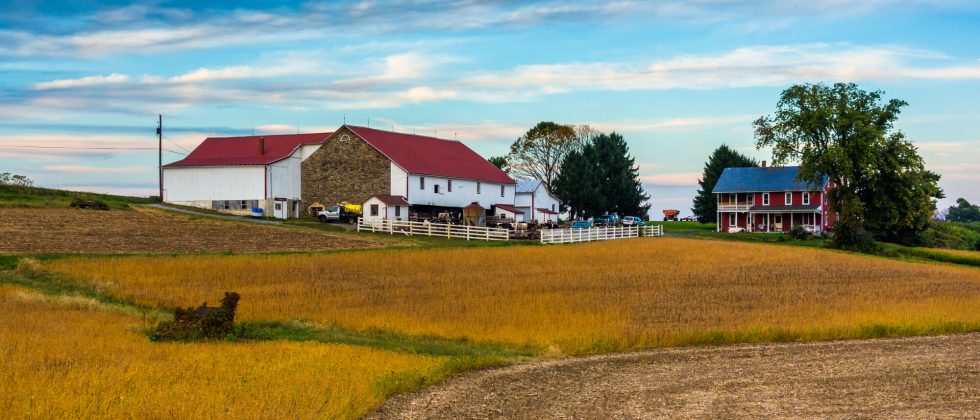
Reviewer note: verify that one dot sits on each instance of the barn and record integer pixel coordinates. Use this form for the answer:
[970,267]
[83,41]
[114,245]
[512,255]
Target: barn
[536,201]
[434,176]
[237,174]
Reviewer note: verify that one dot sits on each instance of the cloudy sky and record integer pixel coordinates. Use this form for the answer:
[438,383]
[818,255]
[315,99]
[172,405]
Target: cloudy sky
[81,83]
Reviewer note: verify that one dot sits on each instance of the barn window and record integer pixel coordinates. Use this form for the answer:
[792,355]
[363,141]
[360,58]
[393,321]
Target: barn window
[552,207]
[227,206]
[421,182]
[398,211]
[501,190]
[477,187]
[449,185]
[244,205]
[789,199]
[731,219]
[765,199]
[344,138]
[435,188]
[374,209]
[806,198]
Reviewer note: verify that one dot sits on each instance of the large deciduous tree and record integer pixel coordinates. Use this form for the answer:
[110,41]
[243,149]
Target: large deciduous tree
[539,153]
[847,134]
[705,204]
[963,211]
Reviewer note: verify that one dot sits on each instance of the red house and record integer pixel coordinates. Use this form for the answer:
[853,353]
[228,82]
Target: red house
[771,200]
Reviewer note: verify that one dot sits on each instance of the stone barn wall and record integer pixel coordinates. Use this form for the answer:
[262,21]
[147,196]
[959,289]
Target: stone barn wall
[349,171]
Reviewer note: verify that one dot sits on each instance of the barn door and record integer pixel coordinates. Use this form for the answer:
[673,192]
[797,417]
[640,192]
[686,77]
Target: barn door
[279,210]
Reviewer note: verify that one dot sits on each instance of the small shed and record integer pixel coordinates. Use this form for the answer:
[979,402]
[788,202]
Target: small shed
[383,206]
[547,215]
[475,215]
[508,211]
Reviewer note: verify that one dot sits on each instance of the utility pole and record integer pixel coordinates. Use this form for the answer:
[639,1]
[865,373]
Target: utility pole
[160,152]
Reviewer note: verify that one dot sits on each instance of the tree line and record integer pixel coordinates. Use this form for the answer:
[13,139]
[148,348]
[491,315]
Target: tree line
[591,172]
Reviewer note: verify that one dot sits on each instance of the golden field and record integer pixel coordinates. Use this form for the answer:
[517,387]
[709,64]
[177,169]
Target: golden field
[574,299]
[74,357]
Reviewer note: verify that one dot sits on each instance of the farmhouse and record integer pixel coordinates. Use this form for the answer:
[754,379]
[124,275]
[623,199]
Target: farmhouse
[770,199]
[536,202]
[431,175]
[236,174]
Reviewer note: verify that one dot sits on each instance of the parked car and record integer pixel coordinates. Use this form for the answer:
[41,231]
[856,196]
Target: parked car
[689,219]
[632,221]
[608,220]
[581,224]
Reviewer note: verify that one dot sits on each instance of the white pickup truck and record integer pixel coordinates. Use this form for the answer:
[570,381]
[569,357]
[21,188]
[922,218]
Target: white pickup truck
[347,213]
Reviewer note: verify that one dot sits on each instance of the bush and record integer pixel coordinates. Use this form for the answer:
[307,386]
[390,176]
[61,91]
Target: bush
[799,232]
[203,323]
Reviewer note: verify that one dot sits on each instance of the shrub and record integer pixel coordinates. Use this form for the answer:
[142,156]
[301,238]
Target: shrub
[203,323]
[799,232]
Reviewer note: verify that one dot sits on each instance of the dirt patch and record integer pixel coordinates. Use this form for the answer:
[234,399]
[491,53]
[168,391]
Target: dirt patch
[931,377]
[36,230]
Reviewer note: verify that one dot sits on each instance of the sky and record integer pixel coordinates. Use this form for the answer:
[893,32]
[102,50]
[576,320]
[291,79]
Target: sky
[82,83]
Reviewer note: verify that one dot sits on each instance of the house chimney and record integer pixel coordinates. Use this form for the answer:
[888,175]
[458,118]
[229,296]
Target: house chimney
[763,163]
[262,148]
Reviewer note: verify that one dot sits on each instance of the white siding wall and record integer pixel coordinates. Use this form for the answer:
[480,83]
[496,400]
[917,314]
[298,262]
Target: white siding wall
[384,211]
[463,193]
[399,180]
[541,200]
[522,200]
[284,178]
[307,149]
[214,183]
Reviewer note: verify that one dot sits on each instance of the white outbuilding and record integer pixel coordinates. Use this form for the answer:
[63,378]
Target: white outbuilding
[238,174]
[384,207]
[536,201]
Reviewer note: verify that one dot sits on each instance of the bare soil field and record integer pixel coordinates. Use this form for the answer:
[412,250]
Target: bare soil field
[921,377]
[142,230]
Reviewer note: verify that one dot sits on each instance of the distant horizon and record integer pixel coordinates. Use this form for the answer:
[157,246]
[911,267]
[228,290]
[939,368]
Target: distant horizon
[676,79]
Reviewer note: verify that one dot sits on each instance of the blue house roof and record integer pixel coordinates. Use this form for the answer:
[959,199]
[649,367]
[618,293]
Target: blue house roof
[528,186]
[734,180]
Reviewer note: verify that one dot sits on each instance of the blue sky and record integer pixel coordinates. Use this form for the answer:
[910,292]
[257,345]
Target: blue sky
[676,79]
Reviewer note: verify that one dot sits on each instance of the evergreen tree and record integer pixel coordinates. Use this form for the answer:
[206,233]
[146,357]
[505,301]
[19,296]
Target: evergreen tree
[601,177]
[705,204]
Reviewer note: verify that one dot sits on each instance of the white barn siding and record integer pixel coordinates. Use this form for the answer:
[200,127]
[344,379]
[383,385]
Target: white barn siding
[284,178]
[399,181]
[187,184]
[463,193]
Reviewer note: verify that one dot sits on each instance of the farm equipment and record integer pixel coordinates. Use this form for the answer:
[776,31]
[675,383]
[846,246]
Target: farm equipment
[88,204]
[343,212]
[671,214]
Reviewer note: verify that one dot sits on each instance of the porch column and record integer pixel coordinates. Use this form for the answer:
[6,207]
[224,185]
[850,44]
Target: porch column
[768,222]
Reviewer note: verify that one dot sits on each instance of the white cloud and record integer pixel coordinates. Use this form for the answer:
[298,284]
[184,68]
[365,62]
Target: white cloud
[275,128]
[675,179]
[97,169]
[114,78]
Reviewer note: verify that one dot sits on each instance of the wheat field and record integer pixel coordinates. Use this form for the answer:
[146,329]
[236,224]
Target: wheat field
[73,357]
[586,298]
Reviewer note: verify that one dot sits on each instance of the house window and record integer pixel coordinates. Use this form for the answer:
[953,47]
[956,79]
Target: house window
[374,209]
[778,220]
[789,199]
[806,218]
[421,182]
[435,188]
[449,185]
[501,190]
[398,211]
[731,219]
[732,198]
[806,198]
[477,187]
[765,199]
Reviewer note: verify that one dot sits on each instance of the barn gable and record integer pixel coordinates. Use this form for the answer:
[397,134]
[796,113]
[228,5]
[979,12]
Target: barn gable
[345,168]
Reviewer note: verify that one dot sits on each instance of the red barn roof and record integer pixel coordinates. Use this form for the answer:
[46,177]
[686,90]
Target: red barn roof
[221,151]
[508,207]
[425,155]
[391,199]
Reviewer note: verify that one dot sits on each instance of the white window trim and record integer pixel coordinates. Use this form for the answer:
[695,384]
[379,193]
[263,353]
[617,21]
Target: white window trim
[765,199]
[732,220]
[790,201]
[806,198]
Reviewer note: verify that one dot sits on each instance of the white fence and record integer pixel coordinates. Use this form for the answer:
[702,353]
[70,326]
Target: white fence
[652,230]
[568,236]
[441,230]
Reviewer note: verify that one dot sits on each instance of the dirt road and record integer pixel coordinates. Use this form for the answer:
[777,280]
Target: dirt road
[933,377]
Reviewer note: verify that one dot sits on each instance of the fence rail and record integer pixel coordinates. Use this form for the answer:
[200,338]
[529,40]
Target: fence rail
[441,230]
[568,236]
[652,230]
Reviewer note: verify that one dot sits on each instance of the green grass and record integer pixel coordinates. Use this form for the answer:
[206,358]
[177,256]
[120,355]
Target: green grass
[683,226]
[931,254]
[17,196]
[762,237]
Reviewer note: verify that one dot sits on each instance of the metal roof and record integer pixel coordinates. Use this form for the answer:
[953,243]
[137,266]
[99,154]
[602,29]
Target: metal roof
[509,208]
[423,155]
[734,180]
[391,199]
[244,150]
[528,186]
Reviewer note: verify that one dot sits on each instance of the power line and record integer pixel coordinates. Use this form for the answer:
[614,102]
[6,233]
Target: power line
[175,144]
